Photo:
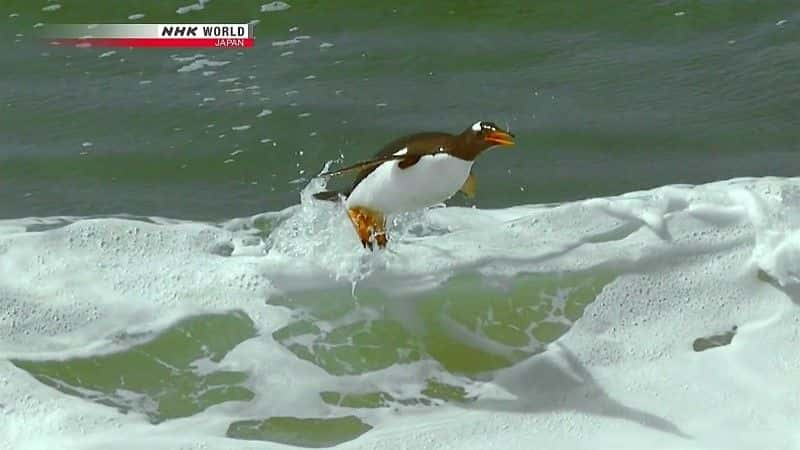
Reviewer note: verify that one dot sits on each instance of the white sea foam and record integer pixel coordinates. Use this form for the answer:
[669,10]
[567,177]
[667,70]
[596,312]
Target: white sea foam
[693,261]
[274,6]
[200,5]
[286,42]
[186,58]
[198,64]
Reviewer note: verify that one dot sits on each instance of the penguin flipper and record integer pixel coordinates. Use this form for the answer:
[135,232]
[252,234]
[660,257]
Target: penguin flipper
[470,186]
[407,159]
[363,165]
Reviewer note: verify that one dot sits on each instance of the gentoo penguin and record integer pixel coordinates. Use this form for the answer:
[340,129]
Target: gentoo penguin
[413,172]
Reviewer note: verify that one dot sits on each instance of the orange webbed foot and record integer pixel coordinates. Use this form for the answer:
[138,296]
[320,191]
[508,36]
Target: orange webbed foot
[370,226]
[366,244]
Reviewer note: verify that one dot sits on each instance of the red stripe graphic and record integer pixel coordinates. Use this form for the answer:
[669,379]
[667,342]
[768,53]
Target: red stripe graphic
[158,43]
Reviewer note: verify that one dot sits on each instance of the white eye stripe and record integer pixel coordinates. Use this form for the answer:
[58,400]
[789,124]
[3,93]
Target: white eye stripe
[401,152]
[483,126]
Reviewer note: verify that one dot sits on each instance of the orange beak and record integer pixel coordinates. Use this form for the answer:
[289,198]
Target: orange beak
[500,137]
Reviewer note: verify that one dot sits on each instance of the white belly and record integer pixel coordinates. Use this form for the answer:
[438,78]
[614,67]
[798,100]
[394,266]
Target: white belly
[390,189]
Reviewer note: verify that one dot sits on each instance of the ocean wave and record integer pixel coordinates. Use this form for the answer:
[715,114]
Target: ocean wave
[606,322]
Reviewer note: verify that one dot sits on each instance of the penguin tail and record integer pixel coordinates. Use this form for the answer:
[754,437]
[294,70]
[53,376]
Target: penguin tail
[331,196]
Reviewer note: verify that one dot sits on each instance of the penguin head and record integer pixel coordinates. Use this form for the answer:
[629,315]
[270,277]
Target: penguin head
[487,134]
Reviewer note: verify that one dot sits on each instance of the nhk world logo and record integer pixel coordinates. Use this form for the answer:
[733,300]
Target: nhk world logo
[152,35]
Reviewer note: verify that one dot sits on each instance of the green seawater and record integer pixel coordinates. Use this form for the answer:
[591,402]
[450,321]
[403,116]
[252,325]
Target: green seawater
[175,374]
[605,97]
